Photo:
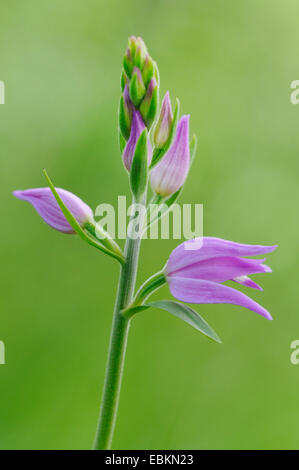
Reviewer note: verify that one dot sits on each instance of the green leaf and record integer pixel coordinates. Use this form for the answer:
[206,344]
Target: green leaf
[77,227]
[129,312]
[139,168]
[188,315]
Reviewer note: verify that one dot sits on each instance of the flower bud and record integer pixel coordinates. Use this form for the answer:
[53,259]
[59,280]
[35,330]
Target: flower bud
[148,70]
[163,127]
[125,113]
[137,88]
[128,63]
[46,205]
[149,105]
[171,171]
[136,129]
[139,70]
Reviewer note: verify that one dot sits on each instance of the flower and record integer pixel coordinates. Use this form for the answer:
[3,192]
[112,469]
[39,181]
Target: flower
[46,205]
[171,171]
[196,276]
[164,123]
[136,129]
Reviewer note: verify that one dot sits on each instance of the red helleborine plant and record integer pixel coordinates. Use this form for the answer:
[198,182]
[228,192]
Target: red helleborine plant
[155,148]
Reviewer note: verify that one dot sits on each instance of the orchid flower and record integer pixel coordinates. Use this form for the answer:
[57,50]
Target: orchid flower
[137,127]
[195,272]
[171,171]
[196,276]
[46,205]
[164,124]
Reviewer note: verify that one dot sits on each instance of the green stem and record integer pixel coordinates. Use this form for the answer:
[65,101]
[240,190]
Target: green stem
[149,287]
[117,348]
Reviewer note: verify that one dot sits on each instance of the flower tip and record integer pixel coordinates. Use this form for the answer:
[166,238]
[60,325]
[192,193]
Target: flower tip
[17,193]
[185,118]
[20,195]
[270,248]
[267,268]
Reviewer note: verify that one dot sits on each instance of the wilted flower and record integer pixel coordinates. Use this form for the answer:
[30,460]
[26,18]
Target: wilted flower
[136,129]
[171,171]
[164,123]
[46,205]
[195,276]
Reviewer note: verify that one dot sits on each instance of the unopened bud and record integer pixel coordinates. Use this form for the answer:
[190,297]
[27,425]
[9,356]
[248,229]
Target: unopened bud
[125,113]
[148,70]
[128,63]
[46,205]
[149,105]
[137,88]
[164,124]
[171,171]
[129,150]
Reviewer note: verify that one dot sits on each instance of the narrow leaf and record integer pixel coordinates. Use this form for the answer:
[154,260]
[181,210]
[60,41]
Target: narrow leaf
[188,315]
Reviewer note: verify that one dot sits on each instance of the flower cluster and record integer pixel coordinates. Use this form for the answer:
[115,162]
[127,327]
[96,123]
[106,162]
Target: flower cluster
[156,149]
[194,276]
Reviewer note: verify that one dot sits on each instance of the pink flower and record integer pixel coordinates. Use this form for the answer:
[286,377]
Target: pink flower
[196,276]
[46,205]
[136,129]
[164,123]
[171,171]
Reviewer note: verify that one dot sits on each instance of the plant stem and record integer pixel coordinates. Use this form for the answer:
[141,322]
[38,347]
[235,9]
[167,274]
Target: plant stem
[117,347]
[149,287]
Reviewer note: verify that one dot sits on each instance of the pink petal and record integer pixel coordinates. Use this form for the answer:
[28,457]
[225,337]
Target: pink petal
[211,247]
[246,281]
[137,127]
[221,269]
[171,171]
[197,291]
[46,205]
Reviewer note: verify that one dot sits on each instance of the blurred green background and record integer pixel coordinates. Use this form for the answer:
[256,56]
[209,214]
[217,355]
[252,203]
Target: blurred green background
[231,64]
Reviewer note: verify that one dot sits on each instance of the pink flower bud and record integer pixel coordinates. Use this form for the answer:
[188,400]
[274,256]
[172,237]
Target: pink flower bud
[171,171]
[164,123]
[129,150]
[46,205]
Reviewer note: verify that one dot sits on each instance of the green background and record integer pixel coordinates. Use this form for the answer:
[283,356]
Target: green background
[231,64]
